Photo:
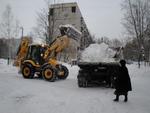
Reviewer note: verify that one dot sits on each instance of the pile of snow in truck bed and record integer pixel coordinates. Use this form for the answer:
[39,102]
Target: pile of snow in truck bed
[98,53]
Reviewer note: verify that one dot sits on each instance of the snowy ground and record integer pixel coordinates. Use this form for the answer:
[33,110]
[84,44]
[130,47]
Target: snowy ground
[19,95]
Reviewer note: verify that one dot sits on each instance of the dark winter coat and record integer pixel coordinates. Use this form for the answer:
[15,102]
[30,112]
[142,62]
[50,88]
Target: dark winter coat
[123,82]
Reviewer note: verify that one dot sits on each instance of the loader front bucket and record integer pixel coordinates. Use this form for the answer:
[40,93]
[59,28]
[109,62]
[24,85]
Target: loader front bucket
[72,32]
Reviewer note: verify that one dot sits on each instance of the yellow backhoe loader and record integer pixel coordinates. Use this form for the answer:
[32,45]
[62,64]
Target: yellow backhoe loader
[42,59]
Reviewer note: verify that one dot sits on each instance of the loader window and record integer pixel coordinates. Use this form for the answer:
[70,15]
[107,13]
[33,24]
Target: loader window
[34,53]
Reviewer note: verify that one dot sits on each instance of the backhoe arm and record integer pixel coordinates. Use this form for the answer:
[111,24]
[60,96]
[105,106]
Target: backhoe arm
[22,50]
[57,46]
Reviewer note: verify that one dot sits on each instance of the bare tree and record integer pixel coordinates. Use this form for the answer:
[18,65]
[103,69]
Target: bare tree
[116,43]
[41,29]
[103,39]
[136,20]
[16,28]
[9,28]
[6,25]
[45,28]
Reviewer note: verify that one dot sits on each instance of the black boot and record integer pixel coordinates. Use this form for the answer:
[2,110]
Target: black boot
[117,98]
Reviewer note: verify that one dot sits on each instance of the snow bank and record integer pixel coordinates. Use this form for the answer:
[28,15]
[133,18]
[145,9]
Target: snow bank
[19,95]
[98,53]
[4,67]
[3,61]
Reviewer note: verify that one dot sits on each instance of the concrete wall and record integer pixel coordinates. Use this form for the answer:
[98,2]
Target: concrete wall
[68,13]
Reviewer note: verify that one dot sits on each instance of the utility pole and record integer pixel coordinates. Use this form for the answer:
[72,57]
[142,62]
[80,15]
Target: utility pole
[22,29]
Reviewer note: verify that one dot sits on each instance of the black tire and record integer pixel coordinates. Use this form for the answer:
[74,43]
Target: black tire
[65,72]
[48,74]
[27,71]
[82,82]
[112,82]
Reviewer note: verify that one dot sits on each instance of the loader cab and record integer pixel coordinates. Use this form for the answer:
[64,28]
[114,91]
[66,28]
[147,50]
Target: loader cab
[35,53]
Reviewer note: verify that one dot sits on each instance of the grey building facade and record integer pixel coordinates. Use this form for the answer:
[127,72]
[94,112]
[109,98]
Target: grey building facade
[68,13]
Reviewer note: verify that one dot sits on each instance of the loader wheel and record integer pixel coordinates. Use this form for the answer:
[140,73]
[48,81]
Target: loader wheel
[49,74]
[27,71]
[63,72]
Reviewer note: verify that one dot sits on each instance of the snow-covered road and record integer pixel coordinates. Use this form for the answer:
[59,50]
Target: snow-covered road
[19,95]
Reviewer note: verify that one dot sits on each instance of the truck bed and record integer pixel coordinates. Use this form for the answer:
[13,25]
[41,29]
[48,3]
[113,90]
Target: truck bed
[89,65]
[98,71]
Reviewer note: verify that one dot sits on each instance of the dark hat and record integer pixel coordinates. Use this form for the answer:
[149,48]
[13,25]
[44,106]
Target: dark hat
[122,62]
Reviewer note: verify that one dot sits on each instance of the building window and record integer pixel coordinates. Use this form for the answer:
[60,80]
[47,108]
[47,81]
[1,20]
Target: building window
[51,11]
[73,9]
[81,29]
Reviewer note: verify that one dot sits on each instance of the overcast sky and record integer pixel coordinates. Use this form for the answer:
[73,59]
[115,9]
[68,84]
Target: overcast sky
[103,17]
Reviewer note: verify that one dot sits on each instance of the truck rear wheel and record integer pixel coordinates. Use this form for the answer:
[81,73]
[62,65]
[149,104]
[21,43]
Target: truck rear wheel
[63,72]
[27,71]
[82,82]
[79,83]
[49,74]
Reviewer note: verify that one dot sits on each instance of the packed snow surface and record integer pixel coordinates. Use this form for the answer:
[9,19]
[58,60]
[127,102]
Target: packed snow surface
[98,53]
[19,95]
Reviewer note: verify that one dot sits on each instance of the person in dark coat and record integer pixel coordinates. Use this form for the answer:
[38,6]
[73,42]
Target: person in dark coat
[123,82]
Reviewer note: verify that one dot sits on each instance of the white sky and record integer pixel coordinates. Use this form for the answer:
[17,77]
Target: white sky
[103,17]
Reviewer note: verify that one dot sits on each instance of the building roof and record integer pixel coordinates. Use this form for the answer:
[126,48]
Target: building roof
[63,4]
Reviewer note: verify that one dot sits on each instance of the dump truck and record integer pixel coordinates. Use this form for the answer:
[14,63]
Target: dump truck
[103,71]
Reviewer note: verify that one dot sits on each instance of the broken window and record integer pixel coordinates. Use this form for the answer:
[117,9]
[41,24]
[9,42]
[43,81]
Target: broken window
[73,9]
[51,11]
